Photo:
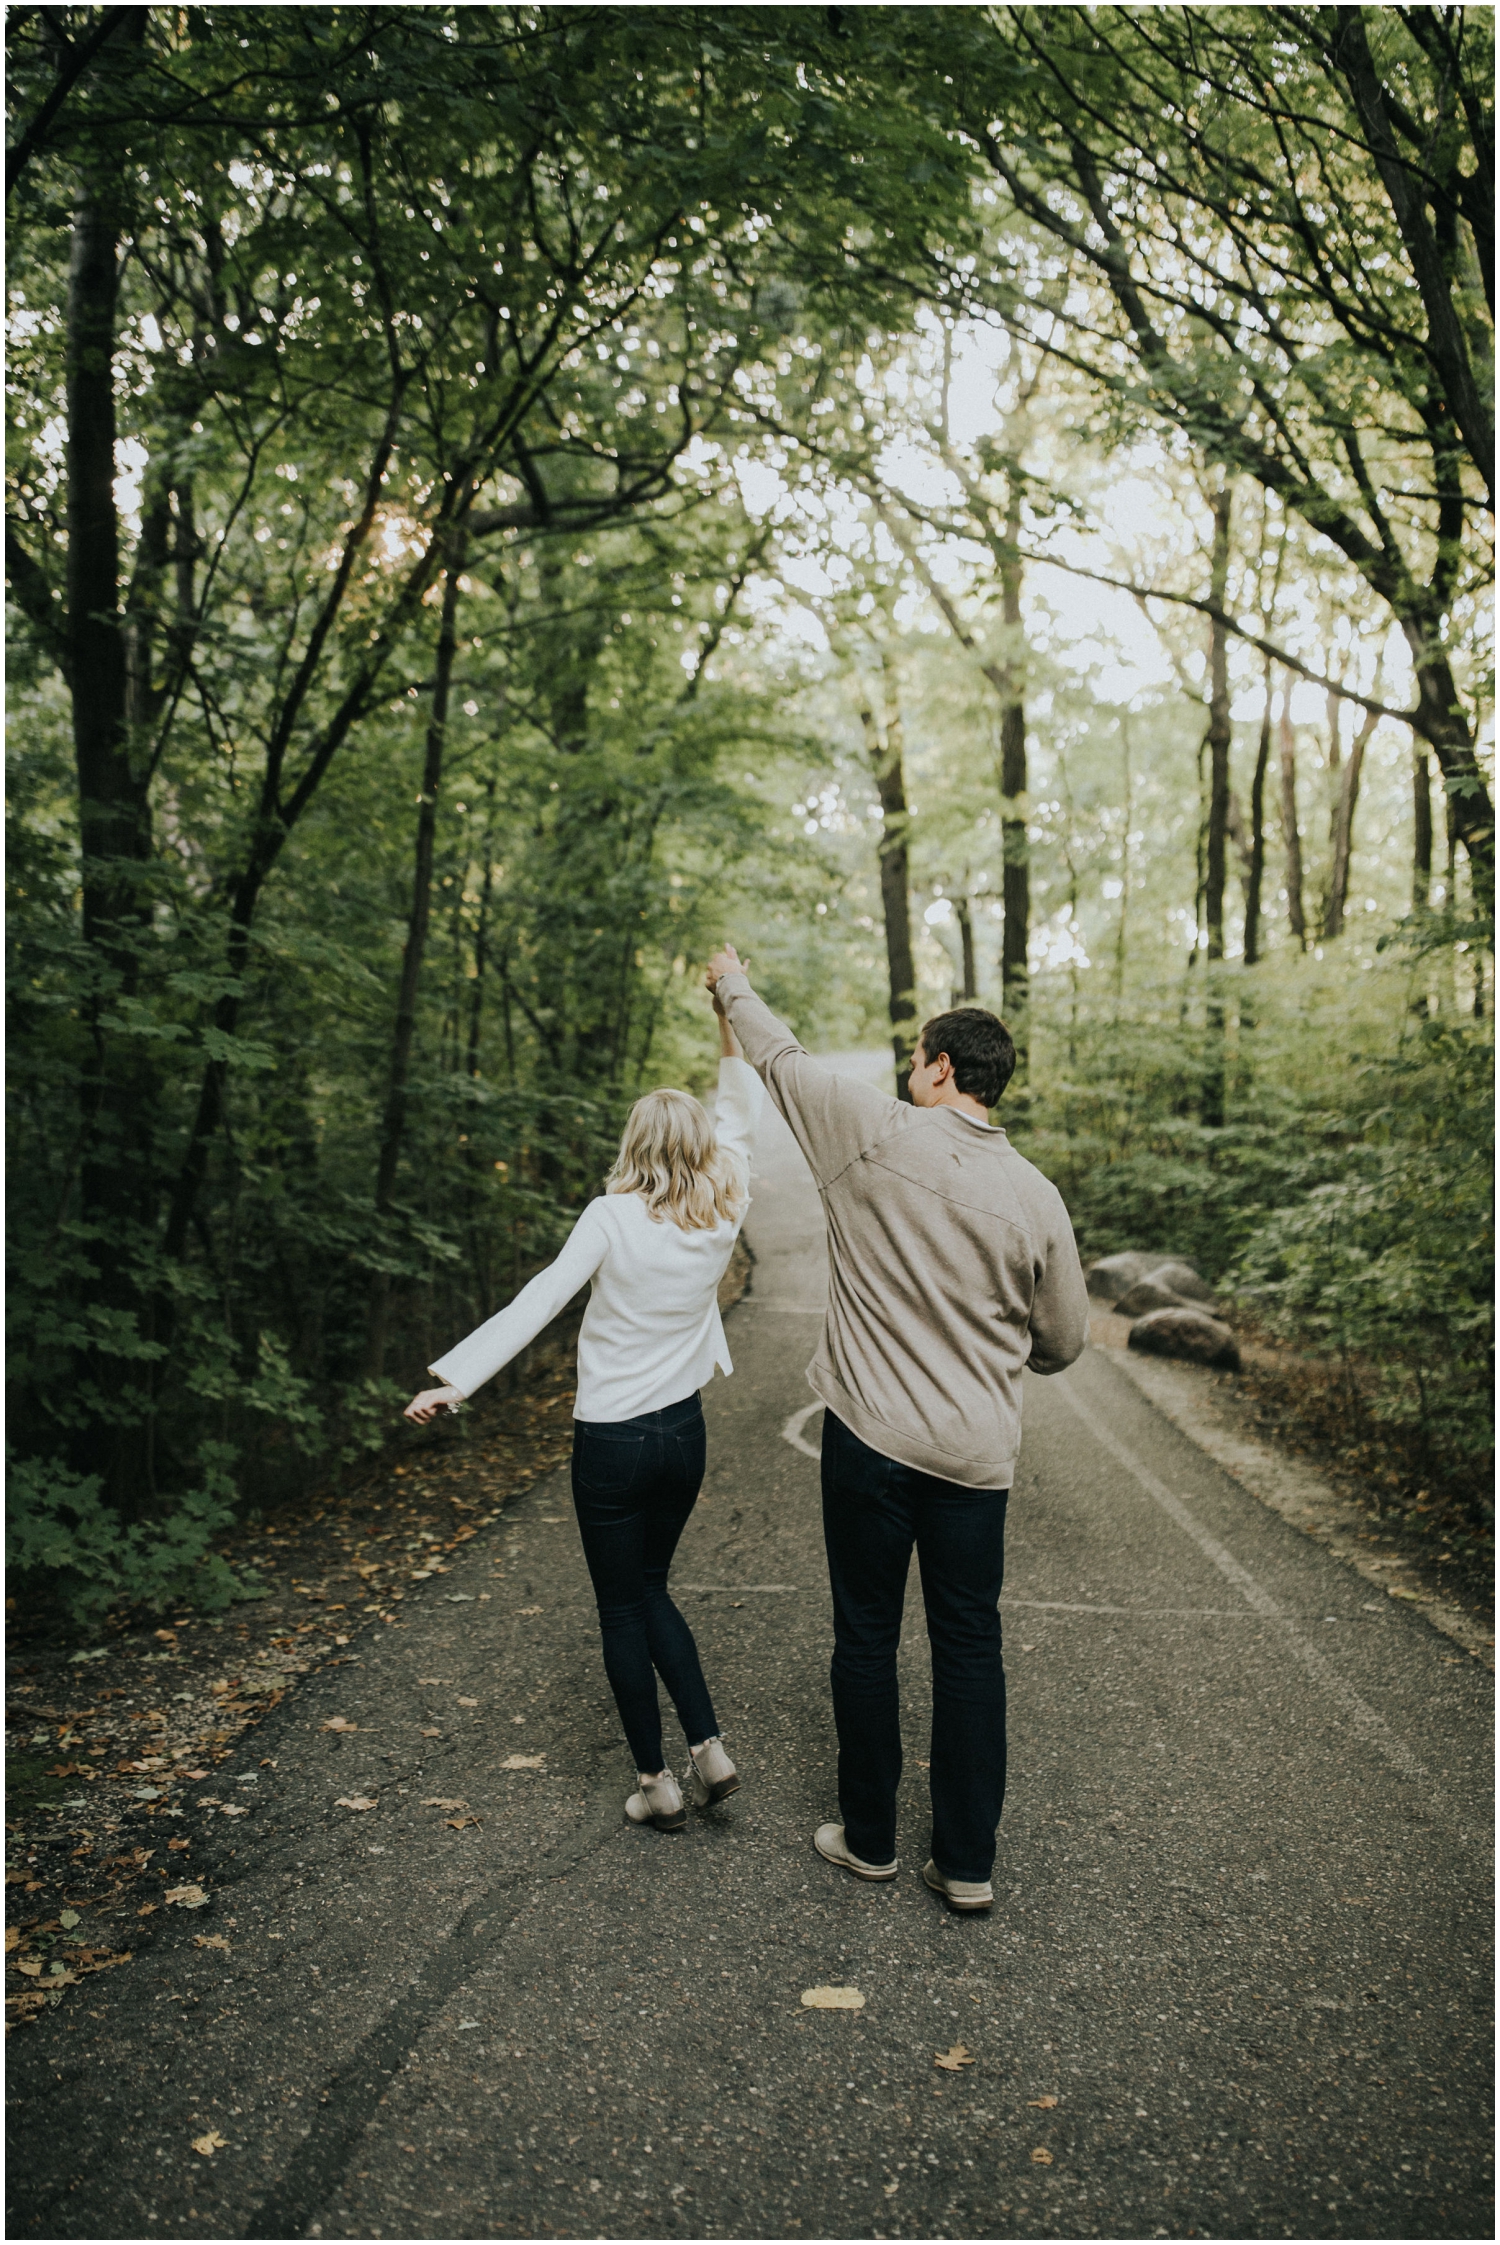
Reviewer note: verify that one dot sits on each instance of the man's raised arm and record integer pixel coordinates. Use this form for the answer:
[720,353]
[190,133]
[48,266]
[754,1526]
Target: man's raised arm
[833,1118]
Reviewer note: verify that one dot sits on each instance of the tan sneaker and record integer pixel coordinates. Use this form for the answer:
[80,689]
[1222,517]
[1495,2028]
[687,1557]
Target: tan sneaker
[711,1776]
[658,1803]
[830,1844]
[959,1894]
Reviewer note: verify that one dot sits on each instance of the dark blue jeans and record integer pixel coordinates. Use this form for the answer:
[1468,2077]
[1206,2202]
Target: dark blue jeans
[635,1482]
[874,1510]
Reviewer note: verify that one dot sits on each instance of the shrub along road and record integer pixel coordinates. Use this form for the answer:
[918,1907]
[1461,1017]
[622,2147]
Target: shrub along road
[1236,1982]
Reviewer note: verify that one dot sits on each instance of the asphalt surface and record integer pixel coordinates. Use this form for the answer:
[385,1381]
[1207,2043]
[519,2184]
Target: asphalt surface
[1236,1982]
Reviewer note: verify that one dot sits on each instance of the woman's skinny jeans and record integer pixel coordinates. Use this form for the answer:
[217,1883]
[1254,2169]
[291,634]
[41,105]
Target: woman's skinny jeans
[635,1481]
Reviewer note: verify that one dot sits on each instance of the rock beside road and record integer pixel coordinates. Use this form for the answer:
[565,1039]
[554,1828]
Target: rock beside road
[1134,1284]
[1150,1294]
[1114,1275]
[1188,1333]
[1183,1281]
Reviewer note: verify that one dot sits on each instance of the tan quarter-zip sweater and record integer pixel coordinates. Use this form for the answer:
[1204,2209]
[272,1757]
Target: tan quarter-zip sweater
[951,1263]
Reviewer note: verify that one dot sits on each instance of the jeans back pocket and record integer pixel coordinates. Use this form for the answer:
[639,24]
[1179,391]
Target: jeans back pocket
[606,1465]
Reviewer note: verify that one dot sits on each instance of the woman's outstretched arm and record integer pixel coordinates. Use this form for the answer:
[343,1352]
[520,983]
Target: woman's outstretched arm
[492,1345]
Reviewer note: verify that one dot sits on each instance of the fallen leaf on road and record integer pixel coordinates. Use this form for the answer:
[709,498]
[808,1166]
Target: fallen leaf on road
[197,1775]
[174,1844]
[953,2060]
[1042,2104]
[210,2143]
[30,1965]
[429,1734]
[445,1804]
[528,1609]
[209,1941]
[12,1938]
[355,1800]
[832,1999]
[523,1761]
[457,1823]
[338,1723]
[146,1909]
[188,1897]
[233,1812]
[1040,2156]
[467,1702]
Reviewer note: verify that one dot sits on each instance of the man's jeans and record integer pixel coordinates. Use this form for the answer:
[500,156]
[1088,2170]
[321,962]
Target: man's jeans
[874,1510]
[635,1482]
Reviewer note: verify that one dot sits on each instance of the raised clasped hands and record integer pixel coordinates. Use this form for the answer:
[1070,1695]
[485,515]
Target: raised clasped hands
[724,961]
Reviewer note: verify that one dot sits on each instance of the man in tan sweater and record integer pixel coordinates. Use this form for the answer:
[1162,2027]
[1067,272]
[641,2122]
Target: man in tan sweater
[951,1269]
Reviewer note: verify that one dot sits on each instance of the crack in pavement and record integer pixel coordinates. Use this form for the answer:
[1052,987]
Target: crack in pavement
[317,2168]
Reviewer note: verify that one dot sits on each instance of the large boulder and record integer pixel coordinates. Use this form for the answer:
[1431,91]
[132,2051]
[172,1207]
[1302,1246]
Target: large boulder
[1188,1333]
[1184,1281]
[1151,1293]
[1113,1275]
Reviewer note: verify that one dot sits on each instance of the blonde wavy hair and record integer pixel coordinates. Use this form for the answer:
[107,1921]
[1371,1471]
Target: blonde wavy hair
[670,1156]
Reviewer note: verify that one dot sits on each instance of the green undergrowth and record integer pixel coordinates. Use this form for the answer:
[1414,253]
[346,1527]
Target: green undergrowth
[1343,1203]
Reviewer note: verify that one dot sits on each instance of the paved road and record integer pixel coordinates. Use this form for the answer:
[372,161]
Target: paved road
[1236,1983]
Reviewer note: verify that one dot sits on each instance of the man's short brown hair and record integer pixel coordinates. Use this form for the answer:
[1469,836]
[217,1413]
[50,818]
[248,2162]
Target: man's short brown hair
[979,1049]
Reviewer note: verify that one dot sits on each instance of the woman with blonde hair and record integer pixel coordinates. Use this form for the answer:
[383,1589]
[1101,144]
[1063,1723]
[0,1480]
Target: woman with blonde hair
[653,1250]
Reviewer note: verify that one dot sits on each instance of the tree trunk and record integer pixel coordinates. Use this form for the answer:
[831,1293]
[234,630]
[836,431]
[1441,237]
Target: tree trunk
[114,825]
[966,939]
[1219,735]
[1445,729]
[1256,879]
[1200,851]
[1217,741]
[1015,942]
[1122,931]
[482,934]
[1290,833]
[394,1125]
[895,904]
[1343,829]
[1421,848]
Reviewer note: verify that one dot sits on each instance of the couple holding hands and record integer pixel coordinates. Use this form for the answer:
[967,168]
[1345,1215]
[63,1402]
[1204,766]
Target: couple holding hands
[951,1269]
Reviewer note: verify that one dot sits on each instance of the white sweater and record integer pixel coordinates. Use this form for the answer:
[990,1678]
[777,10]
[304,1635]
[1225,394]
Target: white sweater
[652,1332]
